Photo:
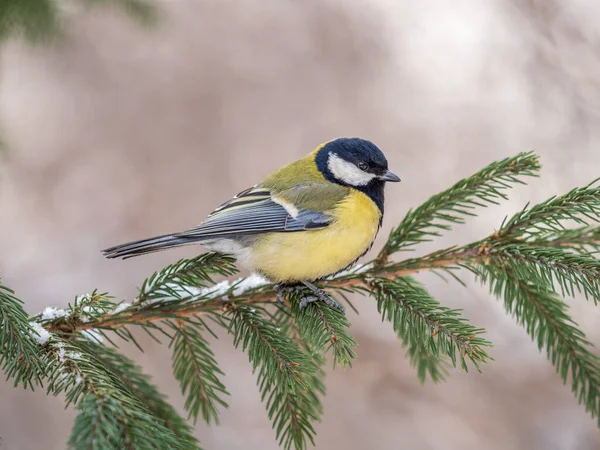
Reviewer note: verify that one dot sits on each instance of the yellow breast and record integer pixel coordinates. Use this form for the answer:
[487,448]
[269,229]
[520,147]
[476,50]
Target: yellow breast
[309,255]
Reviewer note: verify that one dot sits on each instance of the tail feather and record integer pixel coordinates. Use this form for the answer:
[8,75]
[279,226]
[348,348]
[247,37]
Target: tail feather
[151,245]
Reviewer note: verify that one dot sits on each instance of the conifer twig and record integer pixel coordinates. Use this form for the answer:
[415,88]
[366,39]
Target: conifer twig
[140,385]
[188,307]
[195,367]
[420,321]
[19,355]
[545,318]
[450,206]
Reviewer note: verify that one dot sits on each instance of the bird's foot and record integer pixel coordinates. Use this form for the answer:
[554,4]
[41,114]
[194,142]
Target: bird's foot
[280,293]
[318,295]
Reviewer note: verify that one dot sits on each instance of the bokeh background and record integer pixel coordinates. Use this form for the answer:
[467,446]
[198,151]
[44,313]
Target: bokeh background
[121,132]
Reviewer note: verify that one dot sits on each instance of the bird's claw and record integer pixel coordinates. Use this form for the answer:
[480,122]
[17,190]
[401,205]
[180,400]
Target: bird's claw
[319,295]
[326,299]
[279,296]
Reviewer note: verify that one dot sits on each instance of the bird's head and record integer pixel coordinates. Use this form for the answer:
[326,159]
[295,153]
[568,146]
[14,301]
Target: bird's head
[353,162]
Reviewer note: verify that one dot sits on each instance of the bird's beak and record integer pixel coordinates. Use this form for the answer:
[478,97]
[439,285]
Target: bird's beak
[389,176]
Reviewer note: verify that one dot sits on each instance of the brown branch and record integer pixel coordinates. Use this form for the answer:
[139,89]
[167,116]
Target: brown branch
[139,315]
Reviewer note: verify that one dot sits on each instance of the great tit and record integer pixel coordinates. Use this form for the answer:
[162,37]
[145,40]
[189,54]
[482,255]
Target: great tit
[310,219]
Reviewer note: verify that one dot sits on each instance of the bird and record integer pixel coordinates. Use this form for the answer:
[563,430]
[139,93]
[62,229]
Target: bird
[308,220]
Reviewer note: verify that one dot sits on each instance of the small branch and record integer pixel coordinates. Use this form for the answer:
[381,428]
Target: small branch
[545,318]
[453,205]
[570,270]
[464,343]
[580,205]
[421,322]
[197,371]
[283,362]
[577,239]
[390,271]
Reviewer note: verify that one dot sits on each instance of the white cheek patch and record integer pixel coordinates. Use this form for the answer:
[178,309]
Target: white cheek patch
[348,172]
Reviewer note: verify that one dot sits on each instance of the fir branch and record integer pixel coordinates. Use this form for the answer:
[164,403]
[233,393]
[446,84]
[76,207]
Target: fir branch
[171,293]
[140,385]
[314,379]
[197,371]
[573,272]
[288,324]
[447,259]
[421,322]
[214,301]
[84,313]
[326,329]
[450,206]
[425,361]
[20,358]
[35,21]
[310,399]
[545,318]
[41,21]
[183,280]
[105,423]
[110,416]
[581,205]
[584,239]
[284,375]
[143,11]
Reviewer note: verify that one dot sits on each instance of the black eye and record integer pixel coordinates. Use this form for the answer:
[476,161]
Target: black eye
[363,166]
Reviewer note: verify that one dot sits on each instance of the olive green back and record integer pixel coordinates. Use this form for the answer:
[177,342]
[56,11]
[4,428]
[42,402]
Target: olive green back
[302,184]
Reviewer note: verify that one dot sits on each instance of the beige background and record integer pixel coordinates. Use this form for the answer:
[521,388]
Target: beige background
[123,133]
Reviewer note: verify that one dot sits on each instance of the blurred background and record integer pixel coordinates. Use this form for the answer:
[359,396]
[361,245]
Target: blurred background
[120,132]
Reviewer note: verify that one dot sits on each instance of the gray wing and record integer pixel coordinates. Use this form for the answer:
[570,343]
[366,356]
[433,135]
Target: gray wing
[254,211]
